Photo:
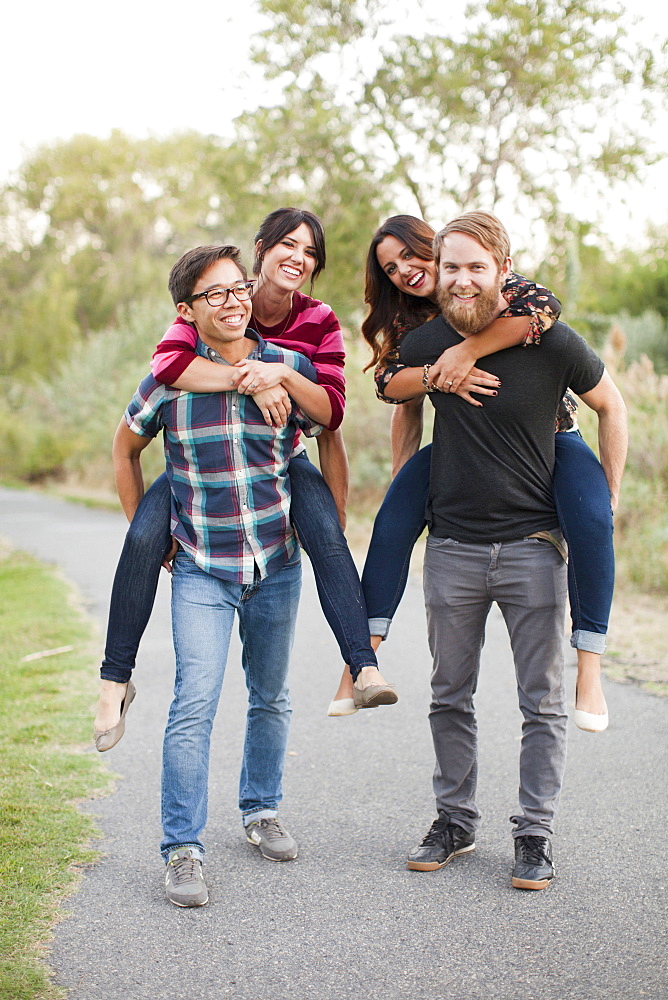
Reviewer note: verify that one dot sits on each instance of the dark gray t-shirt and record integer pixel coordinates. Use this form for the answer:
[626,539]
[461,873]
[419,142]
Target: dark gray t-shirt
[491,467]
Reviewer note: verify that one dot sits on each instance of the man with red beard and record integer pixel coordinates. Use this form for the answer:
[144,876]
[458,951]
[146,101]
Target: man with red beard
[494,536]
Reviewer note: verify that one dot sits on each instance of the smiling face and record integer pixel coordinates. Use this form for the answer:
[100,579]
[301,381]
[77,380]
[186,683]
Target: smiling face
[218,326]
[469,283]
[409,273]
[290,263]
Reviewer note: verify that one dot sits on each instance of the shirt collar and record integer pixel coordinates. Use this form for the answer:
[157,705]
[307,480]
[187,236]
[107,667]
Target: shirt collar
[212,355]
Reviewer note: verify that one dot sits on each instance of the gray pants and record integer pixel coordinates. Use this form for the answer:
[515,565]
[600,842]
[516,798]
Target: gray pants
[527,579]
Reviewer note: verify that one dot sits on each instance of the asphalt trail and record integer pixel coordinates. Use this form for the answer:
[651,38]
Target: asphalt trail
[346,919]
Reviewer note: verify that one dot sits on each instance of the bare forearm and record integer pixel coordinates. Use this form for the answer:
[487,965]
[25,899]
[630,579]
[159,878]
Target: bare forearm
[311,398]
[126,454]
[612,446]
[406,432]
[203,375]
[610,408]
[335,469]
[500,334]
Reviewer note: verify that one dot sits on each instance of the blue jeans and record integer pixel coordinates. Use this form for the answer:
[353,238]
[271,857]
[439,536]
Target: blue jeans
[582,500]
[314,517]
[203,609]
[313,514]
[133,593]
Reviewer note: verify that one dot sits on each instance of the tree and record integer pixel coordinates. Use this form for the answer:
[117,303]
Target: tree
[528,99]
[88,227]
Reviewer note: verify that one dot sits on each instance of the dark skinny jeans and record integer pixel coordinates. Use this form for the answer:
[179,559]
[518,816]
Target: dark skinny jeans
[314,517]
[582,500]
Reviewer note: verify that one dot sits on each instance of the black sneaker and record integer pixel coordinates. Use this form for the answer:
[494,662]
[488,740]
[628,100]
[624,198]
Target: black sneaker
[533,863]
[444,841]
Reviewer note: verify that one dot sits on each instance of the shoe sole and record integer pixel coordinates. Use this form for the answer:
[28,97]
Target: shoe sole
[381,698]
[523,883]
[188,905]
[268,856]
[433,866]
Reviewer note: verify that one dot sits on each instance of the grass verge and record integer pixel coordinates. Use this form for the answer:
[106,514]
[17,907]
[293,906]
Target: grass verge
[44,728]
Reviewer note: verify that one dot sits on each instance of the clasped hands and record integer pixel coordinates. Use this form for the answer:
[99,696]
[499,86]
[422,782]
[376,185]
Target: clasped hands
[455,371]
[263,381]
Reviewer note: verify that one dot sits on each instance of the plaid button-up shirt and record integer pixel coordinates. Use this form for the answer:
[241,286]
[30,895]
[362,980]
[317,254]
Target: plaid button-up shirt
[228,470]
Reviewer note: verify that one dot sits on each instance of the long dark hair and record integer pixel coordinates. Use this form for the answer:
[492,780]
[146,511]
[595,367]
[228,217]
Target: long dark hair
[390,309]
[282,221]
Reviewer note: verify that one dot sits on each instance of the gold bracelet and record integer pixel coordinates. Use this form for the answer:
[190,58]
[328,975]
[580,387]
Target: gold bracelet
[425,380]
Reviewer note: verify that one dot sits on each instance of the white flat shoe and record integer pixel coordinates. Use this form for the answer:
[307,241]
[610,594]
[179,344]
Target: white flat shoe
[589,722]
[344,706]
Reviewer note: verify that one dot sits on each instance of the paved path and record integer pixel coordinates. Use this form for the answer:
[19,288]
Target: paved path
[347,919]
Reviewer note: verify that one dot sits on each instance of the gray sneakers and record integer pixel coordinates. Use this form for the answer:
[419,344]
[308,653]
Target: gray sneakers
[184,882]
[272,838]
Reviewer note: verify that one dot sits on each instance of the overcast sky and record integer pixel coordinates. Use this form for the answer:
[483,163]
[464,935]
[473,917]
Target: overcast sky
[145,66]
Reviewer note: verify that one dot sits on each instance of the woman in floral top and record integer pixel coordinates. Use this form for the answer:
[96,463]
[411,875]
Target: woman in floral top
[400,293]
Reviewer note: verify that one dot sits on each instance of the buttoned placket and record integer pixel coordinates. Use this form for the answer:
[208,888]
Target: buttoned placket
[235,404]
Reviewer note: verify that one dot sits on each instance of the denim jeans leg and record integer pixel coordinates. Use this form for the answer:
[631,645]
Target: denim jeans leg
[267,616]
[398,525]
[136,581]
[582,499]
[313,514]
[203,609]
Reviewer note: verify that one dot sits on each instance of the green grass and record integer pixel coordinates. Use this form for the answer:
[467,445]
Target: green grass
[45,722]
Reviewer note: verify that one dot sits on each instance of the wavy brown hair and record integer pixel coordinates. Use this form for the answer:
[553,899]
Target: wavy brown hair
[390,309]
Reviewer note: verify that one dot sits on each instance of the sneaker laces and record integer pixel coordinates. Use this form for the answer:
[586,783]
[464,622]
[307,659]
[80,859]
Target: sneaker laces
[533,850]
[185,869]
[436,831]
[272,828]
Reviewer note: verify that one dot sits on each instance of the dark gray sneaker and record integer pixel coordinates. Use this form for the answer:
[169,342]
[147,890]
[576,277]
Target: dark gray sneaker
[272,838]
[533,863]
[184,882]
[443,842]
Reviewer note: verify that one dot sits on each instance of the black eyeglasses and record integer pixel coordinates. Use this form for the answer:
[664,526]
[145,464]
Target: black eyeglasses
[242,291]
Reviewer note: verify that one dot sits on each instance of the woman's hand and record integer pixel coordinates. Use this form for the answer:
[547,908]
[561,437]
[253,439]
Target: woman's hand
[275,405]
[478,381]
[452,366]
[169,555]
[250,377]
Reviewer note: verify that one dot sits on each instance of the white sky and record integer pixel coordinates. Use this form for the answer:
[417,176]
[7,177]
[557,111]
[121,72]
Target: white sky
[149,67]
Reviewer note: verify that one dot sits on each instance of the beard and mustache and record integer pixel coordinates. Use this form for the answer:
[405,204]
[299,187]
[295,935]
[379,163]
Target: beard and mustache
[477,314]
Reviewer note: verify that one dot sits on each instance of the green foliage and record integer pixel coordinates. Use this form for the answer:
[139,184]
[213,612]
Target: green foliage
[42,767]
[63,427]
[89,226]
[529,95]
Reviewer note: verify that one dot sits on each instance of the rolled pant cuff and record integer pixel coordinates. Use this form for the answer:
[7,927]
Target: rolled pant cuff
[259,814]
[197,851]
[380,626]
[116,674]
[592,642]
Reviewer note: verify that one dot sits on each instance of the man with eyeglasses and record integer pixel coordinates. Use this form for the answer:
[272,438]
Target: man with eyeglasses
[237,555]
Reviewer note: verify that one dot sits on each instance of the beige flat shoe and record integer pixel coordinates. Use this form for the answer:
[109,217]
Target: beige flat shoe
[108,738]
[374,694]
